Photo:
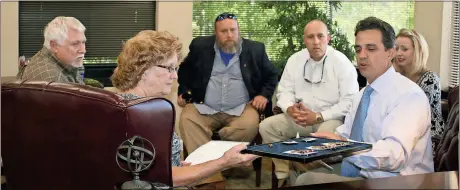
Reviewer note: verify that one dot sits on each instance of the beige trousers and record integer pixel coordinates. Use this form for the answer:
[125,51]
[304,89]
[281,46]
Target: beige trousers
[281,127]
[197,129]
[321,175]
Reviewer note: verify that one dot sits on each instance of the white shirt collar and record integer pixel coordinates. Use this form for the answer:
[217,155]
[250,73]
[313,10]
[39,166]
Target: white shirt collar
[381,81]
[328,48]
[314,70]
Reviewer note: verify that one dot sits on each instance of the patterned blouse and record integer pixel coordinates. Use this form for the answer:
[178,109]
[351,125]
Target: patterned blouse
[176,141]
[429,82]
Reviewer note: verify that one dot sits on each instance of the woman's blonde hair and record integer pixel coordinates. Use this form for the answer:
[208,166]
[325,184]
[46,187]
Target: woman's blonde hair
[421,52]
[143,51]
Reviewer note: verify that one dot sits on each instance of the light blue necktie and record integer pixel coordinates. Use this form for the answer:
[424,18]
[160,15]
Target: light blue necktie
[348,169]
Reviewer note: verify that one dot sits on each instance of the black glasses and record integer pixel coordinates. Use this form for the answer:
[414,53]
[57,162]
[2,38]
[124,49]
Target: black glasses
[322,72]
[171,69]
[224,16]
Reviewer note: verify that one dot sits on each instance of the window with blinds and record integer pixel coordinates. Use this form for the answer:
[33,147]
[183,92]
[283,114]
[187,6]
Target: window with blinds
[108,24]
[399,14]
[253,18]
[455,40]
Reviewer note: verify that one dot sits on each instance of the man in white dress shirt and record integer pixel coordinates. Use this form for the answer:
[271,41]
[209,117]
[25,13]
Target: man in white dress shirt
[392,113]
[323,79]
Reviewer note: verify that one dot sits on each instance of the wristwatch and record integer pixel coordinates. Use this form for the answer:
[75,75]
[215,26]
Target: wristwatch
[319,118]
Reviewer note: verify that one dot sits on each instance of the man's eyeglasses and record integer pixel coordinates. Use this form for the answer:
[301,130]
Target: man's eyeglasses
[322,72]
[224,16]
[171,69]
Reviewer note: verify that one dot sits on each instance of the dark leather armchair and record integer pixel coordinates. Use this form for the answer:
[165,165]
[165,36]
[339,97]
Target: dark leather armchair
[446,152]
[65,136]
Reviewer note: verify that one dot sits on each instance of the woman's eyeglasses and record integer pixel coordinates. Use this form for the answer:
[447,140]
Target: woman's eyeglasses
[171,69]
[224,16]
[322,72]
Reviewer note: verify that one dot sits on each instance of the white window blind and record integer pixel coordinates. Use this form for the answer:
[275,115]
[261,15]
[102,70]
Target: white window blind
[455,40]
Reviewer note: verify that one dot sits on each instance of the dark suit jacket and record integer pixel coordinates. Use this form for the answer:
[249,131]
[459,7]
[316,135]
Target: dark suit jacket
[259,75]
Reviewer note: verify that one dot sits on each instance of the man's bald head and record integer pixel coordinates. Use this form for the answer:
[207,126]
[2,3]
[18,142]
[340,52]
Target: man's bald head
[316,24]
[316,38]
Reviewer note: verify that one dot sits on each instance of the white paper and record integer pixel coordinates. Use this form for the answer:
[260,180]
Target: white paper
[211,151]
[358,141]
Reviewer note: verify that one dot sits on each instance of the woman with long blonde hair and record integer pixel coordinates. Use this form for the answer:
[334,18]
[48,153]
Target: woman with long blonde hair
[411,58]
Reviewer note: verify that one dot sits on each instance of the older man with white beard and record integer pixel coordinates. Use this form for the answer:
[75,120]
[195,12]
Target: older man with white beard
[61,58]
[223,82]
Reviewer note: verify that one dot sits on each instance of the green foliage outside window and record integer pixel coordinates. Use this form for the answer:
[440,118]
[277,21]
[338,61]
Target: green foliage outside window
[290,21]
[279,24]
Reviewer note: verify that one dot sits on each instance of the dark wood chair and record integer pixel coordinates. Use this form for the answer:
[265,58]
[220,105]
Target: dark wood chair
[257,163]
[276,110]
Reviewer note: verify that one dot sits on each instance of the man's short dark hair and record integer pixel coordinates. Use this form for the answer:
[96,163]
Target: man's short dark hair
[373,23]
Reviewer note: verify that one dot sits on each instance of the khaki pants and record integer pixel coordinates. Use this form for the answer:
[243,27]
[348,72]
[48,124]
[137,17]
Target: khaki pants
[281,127]
[321,175]
[197,129]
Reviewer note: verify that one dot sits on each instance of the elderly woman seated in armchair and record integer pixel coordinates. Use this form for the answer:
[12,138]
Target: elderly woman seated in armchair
[147,66]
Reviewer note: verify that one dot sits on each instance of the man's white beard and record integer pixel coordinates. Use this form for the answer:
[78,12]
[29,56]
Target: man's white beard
[76,63]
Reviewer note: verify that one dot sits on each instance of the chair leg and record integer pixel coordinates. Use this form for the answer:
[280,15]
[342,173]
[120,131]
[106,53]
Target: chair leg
[257,163]
[274,178]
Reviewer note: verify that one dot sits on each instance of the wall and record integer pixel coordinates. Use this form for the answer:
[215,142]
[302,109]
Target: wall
[176,17]
[445,59]
[9,38]
[170,17]
[432,20]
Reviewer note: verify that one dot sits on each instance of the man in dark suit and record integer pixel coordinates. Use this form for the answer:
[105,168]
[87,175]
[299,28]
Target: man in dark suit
[223,82]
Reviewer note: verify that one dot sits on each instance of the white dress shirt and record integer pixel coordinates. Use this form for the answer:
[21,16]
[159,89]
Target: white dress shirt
[397,125]
[332,96]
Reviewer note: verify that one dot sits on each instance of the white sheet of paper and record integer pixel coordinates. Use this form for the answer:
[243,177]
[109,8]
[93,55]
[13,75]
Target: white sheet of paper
[210,151]
[358,141]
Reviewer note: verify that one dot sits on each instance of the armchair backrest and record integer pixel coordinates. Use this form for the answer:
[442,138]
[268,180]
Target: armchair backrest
[65,136]
[452,97]
[446,153]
